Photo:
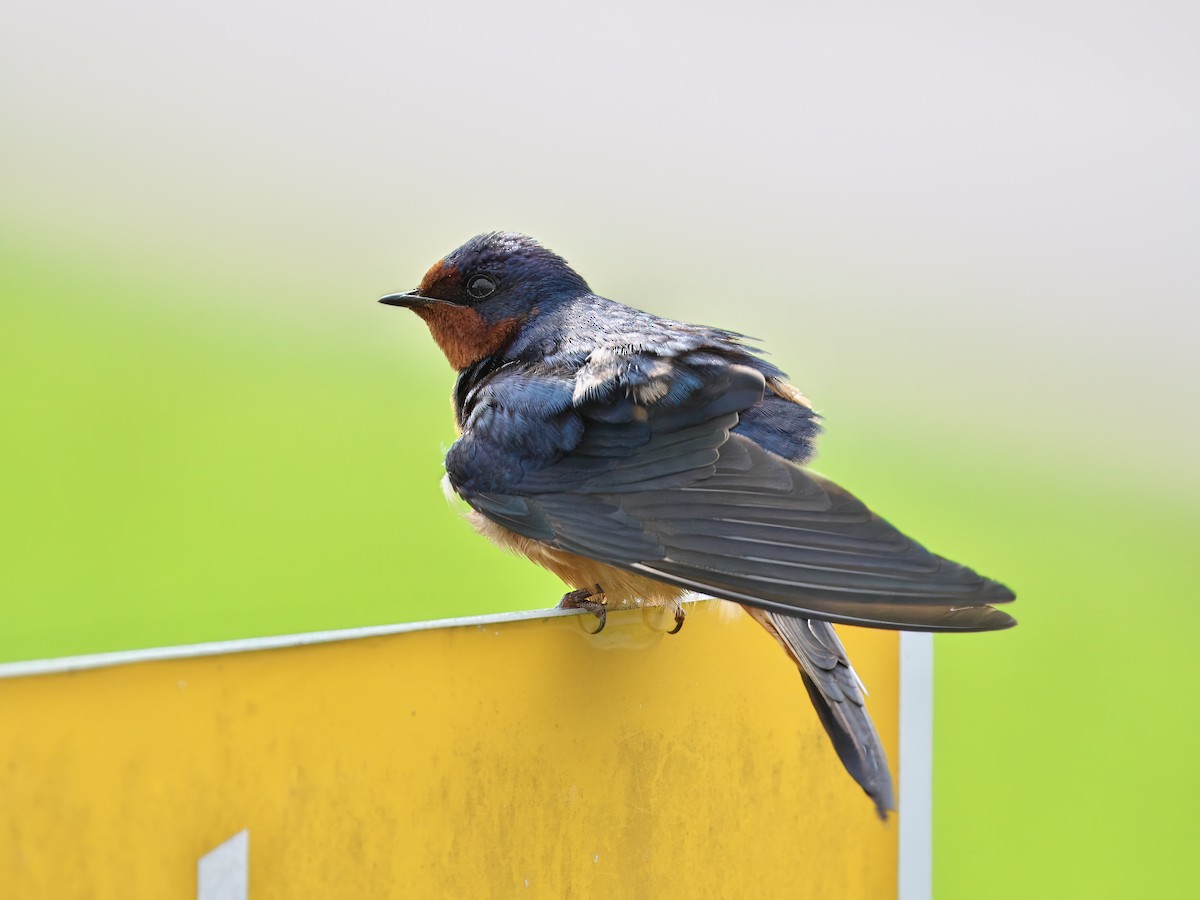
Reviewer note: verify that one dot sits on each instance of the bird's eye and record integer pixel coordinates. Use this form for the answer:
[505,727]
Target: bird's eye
[479,286]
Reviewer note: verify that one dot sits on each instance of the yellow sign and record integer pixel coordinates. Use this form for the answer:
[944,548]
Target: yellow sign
[498,757]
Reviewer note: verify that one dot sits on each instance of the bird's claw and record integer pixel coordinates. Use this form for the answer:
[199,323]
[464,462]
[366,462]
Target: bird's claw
[665,618]
[593,600]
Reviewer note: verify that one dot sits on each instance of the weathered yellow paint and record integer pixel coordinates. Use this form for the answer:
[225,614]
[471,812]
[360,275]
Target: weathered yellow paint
[516,759]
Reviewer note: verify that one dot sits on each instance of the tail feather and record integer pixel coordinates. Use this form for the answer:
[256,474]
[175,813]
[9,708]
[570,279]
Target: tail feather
[838,696]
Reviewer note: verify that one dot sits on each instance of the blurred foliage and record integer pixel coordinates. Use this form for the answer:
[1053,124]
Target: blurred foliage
[174,471]
[1063,748]
[179,473]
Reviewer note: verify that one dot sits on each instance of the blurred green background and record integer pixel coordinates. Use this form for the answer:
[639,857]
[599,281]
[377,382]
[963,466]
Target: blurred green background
[969,235]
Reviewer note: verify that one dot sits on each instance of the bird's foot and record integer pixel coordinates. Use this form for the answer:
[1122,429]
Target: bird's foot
[592,599]
[666,618]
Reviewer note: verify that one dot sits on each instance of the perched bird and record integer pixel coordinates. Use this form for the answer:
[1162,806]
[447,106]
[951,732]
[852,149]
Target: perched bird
[641,459]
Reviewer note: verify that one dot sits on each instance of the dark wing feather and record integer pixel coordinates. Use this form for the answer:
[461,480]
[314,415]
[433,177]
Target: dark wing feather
[656,481]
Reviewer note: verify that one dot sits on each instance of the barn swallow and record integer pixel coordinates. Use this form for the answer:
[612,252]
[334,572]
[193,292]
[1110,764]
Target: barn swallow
[642,459]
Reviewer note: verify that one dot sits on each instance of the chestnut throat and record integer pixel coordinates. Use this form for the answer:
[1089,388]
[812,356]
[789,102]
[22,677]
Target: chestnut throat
[463,334]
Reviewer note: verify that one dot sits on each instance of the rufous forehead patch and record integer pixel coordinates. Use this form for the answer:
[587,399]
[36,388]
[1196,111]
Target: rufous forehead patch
[441,271]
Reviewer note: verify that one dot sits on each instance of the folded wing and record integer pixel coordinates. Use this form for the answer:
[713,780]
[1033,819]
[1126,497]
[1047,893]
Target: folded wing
[656,481]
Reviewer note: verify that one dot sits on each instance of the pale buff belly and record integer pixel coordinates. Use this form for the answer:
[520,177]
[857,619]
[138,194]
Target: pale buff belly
[621,588]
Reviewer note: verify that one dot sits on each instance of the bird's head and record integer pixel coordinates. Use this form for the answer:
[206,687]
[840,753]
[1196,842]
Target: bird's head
[475,299]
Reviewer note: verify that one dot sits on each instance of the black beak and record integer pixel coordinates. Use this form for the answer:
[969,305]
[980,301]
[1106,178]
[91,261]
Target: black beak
[408,298]
[412,298]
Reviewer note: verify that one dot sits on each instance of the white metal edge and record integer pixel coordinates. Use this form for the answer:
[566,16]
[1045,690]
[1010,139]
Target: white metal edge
[274,642]
[224,872]
[915,878]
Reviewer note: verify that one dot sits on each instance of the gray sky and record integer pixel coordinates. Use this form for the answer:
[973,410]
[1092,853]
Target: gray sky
[988,210]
